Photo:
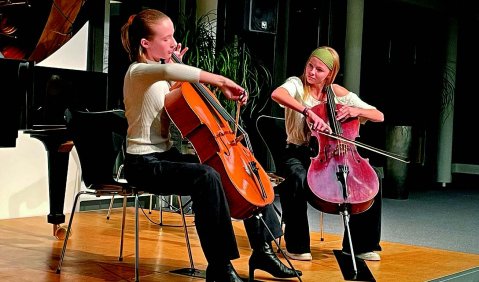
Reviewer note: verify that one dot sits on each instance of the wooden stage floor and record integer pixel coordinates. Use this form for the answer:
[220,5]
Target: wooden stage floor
[30,252]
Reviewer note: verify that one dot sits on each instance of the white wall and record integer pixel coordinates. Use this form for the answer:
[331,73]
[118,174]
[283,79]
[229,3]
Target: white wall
[24,169]
[24,179]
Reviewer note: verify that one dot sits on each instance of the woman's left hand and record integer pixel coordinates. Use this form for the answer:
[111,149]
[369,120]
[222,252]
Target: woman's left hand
[179,52]
[346,112]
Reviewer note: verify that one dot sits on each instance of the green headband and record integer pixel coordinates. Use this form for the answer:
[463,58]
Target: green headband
[325,56]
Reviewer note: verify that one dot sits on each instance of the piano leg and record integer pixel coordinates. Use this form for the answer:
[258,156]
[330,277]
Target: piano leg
[57,178]
[58,154]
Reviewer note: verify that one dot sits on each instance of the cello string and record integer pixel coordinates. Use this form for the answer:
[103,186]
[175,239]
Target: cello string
[238,106]
[335,125]
[200,88]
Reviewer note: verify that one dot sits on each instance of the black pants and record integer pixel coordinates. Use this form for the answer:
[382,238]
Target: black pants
[258,233]
[174,173]
[365,227]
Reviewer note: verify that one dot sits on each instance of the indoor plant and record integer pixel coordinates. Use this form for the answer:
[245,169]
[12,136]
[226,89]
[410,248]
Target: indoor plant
[233,60]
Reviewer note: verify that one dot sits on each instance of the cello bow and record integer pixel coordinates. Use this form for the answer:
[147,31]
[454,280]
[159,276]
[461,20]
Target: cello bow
[365,146]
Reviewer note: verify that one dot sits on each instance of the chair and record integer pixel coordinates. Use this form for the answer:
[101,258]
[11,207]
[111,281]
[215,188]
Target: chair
[164,202]
[272,132]
[99,138]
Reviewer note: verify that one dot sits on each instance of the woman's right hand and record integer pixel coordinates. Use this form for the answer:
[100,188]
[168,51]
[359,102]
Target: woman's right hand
[316,123]
[228,87]
[233,91]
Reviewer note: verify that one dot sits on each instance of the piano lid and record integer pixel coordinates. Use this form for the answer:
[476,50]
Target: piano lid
[50,24]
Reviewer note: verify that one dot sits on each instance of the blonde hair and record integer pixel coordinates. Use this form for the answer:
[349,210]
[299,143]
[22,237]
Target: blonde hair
[334,70]
[137,27]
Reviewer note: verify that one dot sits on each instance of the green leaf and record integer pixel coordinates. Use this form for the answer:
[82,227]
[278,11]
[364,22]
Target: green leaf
[233,60]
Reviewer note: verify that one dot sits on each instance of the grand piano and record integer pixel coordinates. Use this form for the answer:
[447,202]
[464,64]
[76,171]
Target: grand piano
[35,97]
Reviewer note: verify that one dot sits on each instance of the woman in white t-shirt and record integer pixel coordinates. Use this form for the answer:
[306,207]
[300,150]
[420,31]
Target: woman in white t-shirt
[152,162]
[298,95]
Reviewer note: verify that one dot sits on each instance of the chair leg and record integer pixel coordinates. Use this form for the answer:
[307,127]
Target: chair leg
[191,271]
[185,228]
[110,207]
[151,203]
[282,228]
[137,241]
[120,257]
[160,206]
[170,207]
[281,221]
[321,225]
[59,267]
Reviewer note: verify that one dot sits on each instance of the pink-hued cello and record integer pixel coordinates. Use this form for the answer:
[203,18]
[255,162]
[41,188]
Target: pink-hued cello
[338,175]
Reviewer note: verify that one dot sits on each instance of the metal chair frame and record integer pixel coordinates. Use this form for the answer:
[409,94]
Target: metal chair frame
[192,271]
[98,138]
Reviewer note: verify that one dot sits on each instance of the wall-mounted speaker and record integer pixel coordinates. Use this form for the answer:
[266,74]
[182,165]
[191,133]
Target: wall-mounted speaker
[261,16]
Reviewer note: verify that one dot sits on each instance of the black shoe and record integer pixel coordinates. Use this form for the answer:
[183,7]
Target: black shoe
[223,273]
[265,259]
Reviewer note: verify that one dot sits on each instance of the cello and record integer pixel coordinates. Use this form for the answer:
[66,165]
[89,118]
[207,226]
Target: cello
[340,180]
[201,119]
[338,176]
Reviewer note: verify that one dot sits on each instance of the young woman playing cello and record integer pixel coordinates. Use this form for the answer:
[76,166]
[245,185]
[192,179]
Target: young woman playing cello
[152,161]
[298,95]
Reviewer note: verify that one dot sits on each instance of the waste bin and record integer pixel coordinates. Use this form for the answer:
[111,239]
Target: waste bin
[396,173]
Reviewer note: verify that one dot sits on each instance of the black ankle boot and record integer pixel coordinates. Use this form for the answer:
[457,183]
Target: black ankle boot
[265,259]
[222,273]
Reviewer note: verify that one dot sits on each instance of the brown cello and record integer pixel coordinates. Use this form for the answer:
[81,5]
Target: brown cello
[338,175]
[202,120]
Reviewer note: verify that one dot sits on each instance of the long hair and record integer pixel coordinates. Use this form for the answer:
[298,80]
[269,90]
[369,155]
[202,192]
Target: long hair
[332,74]
[137,27]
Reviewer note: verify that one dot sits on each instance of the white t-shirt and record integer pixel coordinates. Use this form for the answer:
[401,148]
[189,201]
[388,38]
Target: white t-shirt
[296,128]
[144,90]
